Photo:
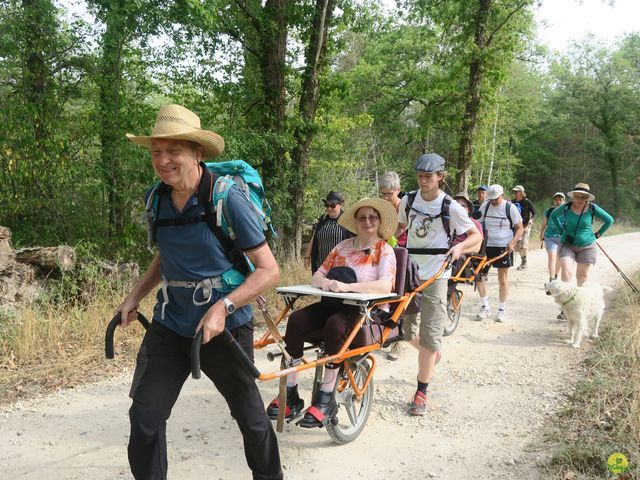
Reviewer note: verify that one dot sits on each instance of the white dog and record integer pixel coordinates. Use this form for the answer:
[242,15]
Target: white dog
[583,307]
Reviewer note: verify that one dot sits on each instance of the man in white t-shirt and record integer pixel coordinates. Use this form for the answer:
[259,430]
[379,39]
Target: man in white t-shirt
[502,229]
[421,214]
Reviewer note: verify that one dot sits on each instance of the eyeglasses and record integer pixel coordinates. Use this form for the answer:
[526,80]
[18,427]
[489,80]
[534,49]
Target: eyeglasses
[331,205]
[387,194]
[580,197]
[369,218]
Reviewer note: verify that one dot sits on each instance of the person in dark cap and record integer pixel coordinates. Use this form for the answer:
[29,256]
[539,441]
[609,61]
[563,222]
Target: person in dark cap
[423,214]
[327,232]
[481,197]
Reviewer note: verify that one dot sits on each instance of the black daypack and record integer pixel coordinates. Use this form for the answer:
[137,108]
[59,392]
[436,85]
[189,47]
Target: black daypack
[446,223]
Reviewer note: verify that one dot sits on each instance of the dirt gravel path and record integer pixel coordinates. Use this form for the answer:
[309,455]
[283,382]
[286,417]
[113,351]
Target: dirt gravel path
[496,385]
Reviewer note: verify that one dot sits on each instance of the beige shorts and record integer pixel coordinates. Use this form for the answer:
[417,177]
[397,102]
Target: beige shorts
[430,324]
[524,241]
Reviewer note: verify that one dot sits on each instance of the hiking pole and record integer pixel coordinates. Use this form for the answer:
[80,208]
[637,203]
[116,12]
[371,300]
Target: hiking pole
[622,274]
[234,348]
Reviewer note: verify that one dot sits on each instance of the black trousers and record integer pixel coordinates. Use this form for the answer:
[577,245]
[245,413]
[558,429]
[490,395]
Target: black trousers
[163,366]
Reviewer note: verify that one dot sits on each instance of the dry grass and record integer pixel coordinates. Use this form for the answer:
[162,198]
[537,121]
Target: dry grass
[603,413]
[51,345]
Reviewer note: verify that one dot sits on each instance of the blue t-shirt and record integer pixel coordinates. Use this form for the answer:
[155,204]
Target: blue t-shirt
[192,252]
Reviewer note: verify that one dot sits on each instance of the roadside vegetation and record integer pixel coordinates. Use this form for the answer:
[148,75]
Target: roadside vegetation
[602,415]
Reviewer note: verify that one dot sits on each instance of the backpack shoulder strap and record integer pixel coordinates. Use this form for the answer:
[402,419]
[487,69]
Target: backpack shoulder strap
[507,211]
[592,209]
[411,197]
[444,213]
[486,209]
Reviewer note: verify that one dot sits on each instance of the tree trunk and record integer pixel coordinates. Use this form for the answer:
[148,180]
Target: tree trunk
[315,62]
[472,107]
[109,113]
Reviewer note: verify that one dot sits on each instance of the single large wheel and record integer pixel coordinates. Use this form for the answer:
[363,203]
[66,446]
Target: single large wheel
[453,312]
[352,412]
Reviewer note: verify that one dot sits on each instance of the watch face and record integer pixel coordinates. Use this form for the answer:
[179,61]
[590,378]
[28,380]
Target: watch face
[229,306]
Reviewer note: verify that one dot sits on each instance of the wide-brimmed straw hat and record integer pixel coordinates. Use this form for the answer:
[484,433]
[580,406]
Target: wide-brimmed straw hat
[584,189]
[464,197]
[178,123]
[386,211]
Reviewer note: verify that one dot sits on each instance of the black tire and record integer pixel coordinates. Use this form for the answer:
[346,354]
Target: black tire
[453,315]
[352,413]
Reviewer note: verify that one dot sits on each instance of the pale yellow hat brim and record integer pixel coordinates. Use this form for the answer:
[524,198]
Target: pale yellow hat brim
[387,212]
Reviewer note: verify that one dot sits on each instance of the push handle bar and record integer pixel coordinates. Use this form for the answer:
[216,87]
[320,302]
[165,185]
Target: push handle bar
[234,347]
[111,328]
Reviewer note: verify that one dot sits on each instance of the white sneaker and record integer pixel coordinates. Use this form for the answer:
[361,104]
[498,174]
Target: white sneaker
[500,316]
[483,313]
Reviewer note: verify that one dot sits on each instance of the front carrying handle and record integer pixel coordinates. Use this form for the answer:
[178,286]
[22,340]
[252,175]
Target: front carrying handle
[234,347]
[111,328]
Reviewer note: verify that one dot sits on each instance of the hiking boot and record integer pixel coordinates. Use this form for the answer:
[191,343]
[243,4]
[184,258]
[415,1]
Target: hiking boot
[501,315]
[294,404]
[418,404]
[523,266]
[483,313]
[320,412]
[394,351]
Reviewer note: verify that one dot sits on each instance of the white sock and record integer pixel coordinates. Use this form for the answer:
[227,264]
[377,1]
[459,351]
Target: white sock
[503,306]
[329,379]
[485,302]
[292,378]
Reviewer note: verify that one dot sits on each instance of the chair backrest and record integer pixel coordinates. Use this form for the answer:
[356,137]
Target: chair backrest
[402,260]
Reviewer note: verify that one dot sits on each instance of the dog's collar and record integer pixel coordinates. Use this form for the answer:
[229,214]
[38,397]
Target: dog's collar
[575,292]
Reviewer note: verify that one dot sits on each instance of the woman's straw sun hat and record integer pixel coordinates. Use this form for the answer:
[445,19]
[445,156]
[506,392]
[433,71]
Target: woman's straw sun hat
[386,211]
[178,123]
[584,189]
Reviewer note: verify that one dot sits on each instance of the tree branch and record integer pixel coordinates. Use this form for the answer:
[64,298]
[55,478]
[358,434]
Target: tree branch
[505,21]
[250,15]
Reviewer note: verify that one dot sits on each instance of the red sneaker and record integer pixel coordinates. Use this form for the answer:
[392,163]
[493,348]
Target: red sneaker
[419,404]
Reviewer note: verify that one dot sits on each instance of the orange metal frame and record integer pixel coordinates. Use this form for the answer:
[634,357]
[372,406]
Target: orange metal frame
[345,352]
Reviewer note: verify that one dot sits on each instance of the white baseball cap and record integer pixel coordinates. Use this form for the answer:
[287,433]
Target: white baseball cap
[495,191]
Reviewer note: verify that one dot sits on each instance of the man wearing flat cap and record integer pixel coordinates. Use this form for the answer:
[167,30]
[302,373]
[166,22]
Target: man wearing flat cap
[429,243]
[190,265]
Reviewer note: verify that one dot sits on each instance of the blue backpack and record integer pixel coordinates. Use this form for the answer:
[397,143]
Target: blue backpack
[213,191]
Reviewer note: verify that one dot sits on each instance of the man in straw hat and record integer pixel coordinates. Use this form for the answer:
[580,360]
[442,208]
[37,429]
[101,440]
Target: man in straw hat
[190,265]
[574,221]
[428,242]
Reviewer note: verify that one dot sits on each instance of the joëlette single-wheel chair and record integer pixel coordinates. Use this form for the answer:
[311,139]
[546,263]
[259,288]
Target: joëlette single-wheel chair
[354,391]
[469,270]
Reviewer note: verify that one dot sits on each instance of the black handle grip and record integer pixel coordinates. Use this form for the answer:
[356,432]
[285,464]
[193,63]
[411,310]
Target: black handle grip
[234,347]
[111,328]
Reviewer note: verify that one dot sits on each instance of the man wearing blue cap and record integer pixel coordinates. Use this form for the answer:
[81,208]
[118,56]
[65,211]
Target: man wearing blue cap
[430,217]
[481,197]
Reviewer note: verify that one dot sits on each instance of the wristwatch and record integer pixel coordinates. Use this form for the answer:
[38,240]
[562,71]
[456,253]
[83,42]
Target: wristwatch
[228,305]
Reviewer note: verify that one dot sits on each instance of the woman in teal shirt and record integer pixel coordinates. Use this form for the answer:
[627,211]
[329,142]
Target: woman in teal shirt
[577,237]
